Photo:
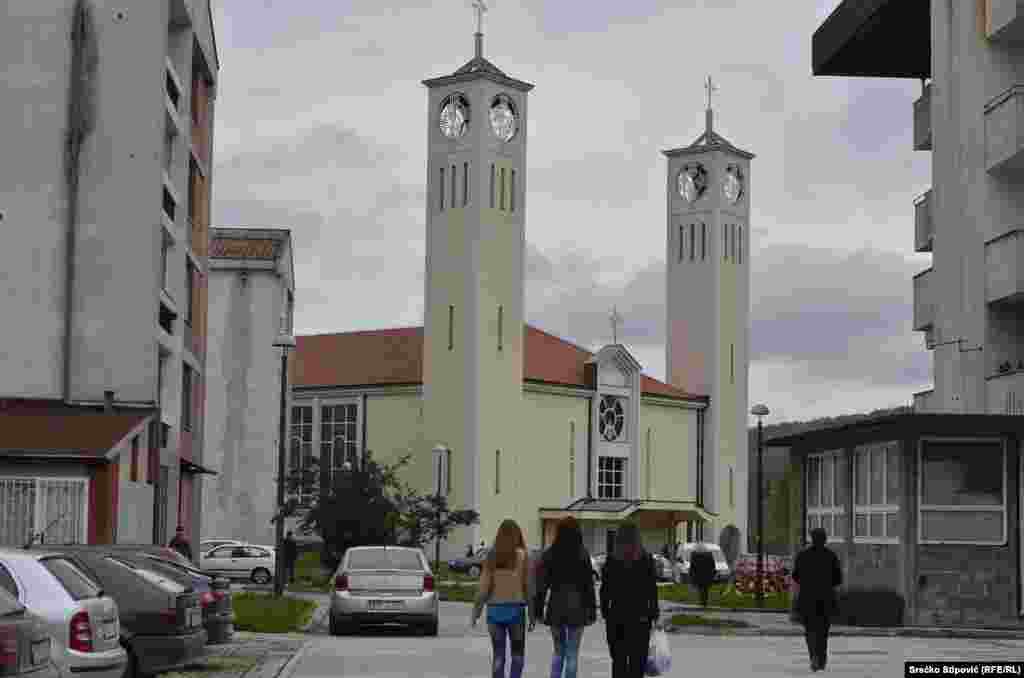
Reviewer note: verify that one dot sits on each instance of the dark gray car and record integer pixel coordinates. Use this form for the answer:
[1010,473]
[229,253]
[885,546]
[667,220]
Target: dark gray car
[24,643]
[161,620]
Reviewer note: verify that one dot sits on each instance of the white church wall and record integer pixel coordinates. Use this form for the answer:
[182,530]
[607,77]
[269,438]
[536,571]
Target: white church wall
[393,431]
[668,442]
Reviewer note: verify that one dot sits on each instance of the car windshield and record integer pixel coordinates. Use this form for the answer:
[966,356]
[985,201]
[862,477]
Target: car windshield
[74,581]
[384,559]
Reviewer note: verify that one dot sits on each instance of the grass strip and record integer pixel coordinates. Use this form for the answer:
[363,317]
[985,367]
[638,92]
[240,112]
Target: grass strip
[266,613]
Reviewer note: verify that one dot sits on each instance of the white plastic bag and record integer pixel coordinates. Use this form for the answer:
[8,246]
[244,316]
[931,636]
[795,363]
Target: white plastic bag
[659,657]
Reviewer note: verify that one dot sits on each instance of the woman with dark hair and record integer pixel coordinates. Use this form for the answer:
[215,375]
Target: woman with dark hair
[566,581]
[629,602]
[504,589]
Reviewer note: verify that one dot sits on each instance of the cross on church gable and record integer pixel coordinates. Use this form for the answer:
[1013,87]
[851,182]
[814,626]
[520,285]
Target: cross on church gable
[710,88]
[479,7]
[615,320]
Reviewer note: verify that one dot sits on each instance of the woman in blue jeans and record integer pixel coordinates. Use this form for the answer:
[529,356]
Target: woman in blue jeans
[566,585]
[504,588]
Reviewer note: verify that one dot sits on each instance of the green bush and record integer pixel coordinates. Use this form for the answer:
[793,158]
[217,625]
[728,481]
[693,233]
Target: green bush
[870,607]
[724,595]
[265,613]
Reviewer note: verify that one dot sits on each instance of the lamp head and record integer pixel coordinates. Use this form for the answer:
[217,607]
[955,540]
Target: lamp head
[284,339]
[759,411]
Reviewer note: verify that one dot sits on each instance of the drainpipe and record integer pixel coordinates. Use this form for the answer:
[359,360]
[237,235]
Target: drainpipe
[590,446]
[81,120]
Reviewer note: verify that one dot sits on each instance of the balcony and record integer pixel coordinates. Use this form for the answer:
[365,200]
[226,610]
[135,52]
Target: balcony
[923,120]
[1004,131]
[1005,21]
[924,300]
[1004,268]
[1004,393]
[924,401]
[924,225]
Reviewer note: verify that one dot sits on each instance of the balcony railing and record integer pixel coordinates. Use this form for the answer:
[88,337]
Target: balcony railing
[1004,131]
[923,120]
[924,300]
[1004,393]
[923,401]
[1004,267]
[924,224]
[1005,21]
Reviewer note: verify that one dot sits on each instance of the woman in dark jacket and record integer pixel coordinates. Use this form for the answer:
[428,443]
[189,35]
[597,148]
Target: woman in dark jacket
[567,574]
[629,602]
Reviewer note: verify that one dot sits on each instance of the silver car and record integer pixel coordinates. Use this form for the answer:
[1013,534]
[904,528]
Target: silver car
[83,622]
[243,561]
[25,645]
[383,585]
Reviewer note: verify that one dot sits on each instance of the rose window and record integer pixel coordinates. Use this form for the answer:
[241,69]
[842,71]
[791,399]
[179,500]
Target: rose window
[612,417]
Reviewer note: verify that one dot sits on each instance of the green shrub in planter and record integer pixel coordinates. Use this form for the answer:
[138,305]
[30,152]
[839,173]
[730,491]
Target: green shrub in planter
[870,607]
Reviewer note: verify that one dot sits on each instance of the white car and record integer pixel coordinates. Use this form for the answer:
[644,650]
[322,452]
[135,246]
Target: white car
[240,561]
[83,622]
[210,544]
[681,572]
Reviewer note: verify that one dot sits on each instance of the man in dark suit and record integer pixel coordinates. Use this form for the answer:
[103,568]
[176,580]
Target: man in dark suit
[818,573]
[702,571]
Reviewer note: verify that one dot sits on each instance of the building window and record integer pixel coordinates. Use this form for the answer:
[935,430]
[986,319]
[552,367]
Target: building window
[338,441]
[732,363]
[876,482]
[135,475]
[500,326]
[497,472]
[732,489]
[451,328]
[826,478]
[47,510]
[512,192]
[186,397]
[962,493]
[612,418]
[572,459]
[649,463]
[739,251]
[442,189]
[703,241]
[492,185]
[448,471]
[725,243]
[453,186]
[465,184]
[189,292]
[501,188]
[682,239]
[693,242]
[611,477]
[302,469]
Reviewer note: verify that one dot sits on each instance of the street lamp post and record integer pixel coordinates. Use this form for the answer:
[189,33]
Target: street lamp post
[285,341]
[760,411]
[439,454]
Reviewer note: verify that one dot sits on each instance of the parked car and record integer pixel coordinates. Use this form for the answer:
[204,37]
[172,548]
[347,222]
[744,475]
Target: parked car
[681,569]
[161,620]
[82,620]
[165,552]
[378,585]
[25,644]
[664,568]
[210,544]
[471,565]
[234,561]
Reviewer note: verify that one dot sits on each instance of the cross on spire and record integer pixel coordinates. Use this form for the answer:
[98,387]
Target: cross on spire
[710,88]
[479,6]
[615,320]
[709,115]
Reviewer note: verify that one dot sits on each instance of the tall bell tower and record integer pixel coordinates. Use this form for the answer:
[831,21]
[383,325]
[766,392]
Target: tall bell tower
[708,302]
[473,310]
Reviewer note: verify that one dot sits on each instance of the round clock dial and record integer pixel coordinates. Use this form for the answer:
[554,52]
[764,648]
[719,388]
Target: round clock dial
[454,119]
[692,181]
[504,122]
[732,184]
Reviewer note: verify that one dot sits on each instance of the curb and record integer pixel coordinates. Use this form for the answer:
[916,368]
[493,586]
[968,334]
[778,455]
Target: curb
[289,667]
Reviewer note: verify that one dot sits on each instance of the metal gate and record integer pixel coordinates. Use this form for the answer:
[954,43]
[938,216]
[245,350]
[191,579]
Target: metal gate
[49,510]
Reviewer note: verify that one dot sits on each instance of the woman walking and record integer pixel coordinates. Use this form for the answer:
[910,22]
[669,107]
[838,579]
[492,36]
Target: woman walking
[566,581]
[629,602]
[504,589]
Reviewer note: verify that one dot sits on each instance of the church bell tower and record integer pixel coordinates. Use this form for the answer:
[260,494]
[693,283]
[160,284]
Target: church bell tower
[708,302]
[473,304]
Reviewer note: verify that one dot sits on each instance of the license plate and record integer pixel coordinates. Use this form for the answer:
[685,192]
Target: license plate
[110,631]
[386,604]
[195,617]
[41,652]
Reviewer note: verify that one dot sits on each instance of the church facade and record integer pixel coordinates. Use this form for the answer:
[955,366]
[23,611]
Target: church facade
[515,422]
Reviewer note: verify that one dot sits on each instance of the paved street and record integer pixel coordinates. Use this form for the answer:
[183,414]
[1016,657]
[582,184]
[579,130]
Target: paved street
[463,652]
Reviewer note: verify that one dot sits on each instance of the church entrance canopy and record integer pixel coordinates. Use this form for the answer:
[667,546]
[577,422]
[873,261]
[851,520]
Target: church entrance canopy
[647,514]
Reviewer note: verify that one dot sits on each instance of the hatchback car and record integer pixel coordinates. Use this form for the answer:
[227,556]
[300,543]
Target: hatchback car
[161,621]
[383,585]
[681,573]
[25,644]
[210,544]
[83,620]
[235,561]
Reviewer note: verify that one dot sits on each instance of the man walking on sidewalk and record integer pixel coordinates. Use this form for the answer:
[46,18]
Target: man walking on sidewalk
[818,573]
[291,554]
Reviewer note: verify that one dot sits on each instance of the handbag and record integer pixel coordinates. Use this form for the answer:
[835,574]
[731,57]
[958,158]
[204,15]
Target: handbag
[659,656]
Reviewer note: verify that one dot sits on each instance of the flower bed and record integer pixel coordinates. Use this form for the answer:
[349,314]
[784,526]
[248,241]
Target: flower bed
[776,577]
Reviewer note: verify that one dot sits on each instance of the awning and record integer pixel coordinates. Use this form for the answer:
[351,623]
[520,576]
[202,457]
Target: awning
[192,467]
[643,512]
[59,432]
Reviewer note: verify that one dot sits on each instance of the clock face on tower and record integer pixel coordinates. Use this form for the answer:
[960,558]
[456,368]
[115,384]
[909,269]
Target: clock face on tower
[504,121]
[732,184]
[692,181]
[454,118]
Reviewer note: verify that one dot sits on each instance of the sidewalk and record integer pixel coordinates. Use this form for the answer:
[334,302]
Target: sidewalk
[774,623]
[248,655]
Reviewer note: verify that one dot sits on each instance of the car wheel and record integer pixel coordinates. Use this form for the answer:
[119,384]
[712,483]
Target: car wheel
[261,576]
[131,667]
[474,571]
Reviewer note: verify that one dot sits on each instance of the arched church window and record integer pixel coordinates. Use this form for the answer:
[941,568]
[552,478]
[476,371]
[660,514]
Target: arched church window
[512,193]
[681,238]
[740,246]
[703,241]
[492,185]
[465,184]
[612,418]
[453,186]
[693,242]
[442,189]
[501,189]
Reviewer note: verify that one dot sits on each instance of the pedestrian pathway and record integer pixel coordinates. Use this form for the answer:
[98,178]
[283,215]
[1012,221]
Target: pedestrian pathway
[248,655]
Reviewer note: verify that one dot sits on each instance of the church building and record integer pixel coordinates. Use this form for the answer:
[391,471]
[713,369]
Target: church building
[512,421]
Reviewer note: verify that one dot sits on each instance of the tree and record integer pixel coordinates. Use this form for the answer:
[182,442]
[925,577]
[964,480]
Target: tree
[368,505]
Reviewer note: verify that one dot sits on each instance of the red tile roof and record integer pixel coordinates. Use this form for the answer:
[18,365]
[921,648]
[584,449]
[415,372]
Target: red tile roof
[64,431]
[395,356]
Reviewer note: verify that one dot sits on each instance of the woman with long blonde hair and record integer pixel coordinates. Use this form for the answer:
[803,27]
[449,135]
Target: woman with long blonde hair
[504,588]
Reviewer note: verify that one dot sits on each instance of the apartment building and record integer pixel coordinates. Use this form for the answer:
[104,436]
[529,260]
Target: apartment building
[106,115]
[252,284]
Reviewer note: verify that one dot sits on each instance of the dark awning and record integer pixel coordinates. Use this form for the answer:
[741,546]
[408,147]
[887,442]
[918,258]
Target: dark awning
[875,38]
[192,467]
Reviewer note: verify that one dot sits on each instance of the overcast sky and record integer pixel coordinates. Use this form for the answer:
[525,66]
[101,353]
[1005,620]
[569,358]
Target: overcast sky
[321,128]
